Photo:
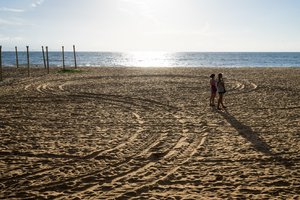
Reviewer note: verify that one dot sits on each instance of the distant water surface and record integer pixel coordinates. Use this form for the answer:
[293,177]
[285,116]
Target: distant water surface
[161,59]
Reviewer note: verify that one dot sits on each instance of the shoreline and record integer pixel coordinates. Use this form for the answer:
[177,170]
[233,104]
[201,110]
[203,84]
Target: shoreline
[166,59]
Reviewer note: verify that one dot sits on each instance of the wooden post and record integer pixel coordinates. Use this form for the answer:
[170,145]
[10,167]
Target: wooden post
[28,62]
[47,55]
[44,57]
[63,57]
[74,56]
[1,78]
[17,57]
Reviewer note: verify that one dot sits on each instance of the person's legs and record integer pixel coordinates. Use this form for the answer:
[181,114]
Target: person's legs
[223,102]
[212,99]
[220,100]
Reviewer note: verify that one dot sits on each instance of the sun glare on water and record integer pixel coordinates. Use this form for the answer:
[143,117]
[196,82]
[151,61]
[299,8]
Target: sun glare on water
[149,59]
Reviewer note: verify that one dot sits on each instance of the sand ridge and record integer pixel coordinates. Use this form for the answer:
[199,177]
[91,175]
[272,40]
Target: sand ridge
[149,133]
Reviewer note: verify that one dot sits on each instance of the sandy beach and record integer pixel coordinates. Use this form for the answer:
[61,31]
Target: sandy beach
[149,133]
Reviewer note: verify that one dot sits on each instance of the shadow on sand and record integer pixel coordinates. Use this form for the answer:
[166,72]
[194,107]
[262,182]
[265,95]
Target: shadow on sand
[247,133]
[258,143]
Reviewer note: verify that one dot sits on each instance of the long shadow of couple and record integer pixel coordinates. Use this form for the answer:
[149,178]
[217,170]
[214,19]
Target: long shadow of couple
[253,137]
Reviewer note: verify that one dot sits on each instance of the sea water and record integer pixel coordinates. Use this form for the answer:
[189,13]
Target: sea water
[160,59]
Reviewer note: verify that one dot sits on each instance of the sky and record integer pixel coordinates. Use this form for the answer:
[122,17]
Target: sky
[152,25]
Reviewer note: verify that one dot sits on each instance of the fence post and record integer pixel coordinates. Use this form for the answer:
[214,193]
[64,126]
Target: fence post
[1,78]
[28,62]
[44,57]
[47,55]
[74,56]
[63,57]
[17,57]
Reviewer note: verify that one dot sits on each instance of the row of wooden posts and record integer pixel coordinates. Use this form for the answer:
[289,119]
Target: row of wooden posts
[45,59]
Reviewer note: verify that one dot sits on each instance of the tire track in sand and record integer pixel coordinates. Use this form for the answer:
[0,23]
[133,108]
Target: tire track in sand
[161,164]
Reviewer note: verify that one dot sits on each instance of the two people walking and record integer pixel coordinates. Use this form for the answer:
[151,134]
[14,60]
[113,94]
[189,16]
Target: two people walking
[217,86]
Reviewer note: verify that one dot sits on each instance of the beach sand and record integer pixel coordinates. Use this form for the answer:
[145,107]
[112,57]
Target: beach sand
[149,133]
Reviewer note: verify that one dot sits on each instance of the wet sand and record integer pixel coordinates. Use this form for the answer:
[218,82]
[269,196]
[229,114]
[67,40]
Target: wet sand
[149,133]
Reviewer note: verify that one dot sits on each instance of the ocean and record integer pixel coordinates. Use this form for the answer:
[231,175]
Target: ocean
[160,59]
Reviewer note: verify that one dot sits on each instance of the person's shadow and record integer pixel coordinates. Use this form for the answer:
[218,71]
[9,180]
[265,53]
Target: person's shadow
[253,137]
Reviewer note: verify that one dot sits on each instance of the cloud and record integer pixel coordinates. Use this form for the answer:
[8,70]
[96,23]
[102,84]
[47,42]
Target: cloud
[4,38]
[6,22]
[37,3]
[5,9]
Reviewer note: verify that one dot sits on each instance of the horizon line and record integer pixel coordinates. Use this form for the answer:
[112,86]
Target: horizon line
[141,51]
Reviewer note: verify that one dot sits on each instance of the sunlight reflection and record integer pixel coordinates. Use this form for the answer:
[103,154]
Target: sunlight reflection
[149,59]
